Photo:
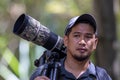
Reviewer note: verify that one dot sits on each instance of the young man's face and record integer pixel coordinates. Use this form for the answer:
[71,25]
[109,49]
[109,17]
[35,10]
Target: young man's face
[81,41]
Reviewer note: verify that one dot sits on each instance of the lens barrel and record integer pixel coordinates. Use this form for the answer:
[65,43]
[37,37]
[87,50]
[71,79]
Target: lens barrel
[30,29]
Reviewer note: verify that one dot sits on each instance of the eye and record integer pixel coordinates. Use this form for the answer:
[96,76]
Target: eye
[76,35]
[89,36]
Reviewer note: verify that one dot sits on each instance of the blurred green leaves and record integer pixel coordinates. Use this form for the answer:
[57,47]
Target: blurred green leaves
[11,61]
[3,43]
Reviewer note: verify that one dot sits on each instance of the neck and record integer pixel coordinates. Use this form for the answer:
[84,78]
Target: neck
[76,67]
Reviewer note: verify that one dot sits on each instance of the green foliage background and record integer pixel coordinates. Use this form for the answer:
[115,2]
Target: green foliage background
[17,55]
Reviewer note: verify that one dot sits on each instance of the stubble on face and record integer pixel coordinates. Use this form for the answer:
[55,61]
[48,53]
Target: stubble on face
[81,58]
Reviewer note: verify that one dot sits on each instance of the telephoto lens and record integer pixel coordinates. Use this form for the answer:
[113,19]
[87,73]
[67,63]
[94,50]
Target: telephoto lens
[30,29]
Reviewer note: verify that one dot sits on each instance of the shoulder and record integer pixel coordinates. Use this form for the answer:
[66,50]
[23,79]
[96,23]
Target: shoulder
[100,70]
[102,74]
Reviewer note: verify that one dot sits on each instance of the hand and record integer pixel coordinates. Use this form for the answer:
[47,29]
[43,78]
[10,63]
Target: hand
[41,78]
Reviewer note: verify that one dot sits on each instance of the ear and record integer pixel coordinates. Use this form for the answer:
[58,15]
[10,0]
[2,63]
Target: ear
[95,43]
[65,38]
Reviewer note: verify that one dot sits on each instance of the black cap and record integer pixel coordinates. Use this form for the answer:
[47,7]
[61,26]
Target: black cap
[85,18]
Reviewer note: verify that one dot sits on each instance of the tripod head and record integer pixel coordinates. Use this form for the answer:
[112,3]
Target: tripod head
[50,63]
[47,57]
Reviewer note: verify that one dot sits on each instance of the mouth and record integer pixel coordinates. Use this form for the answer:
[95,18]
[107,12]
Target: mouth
[82,50]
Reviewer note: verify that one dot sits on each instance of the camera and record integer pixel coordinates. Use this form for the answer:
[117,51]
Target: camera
[32,30]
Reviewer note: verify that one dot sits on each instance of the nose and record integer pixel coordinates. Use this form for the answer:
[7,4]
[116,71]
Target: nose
[82,41]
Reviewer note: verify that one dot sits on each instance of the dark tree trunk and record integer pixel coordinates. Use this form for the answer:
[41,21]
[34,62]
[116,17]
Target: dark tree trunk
[105,53]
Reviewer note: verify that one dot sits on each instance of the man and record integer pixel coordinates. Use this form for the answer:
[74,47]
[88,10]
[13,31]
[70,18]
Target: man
[80,40]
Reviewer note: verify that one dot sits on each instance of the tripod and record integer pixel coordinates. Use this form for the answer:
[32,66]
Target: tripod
[51,64]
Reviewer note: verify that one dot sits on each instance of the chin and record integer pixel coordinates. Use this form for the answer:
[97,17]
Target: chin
[81,58]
